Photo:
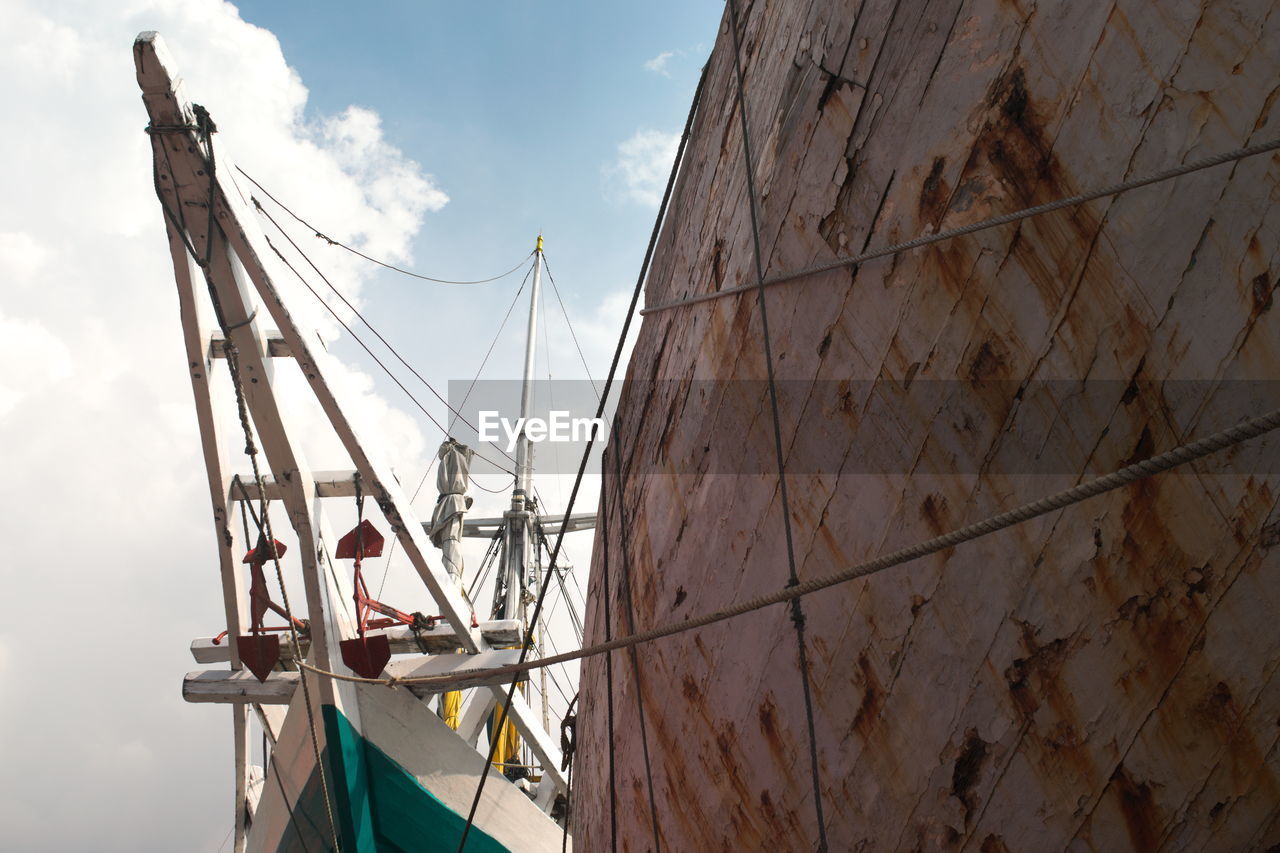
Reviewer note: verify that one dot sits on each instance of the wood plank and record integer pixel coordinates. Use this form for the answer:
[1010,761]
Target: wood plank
[485,528]
[424,666]
[476,707]
[437,640]
[226,686]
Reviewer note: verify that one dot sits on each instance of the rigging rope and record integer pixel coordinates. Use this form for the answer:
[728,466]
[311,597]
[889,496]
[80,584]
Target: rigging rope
[607,606]
[461,406]
[797,612]
[1005,219]
[586,454]
[1180,455]
[631,626]
[568,747]
[375,358]
[332,242]
[569,323]
[370,327]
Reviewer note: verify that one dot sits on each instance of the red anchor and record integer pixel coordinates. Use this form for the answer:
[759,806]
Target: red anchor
[366,655]
[260,649]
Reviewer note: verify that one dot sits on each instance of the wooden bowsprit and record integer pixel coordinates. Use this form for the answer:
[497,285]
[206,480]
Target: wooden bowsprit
[222,259]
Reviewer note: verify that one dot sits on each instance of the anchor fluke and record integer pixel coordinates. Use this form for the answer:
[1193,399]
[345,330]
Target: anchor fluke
[366,656]
[259,653]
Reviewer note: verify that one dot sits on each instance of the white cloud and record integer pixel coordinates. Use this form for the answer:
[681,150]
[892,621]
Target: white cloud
[115,566]
[643,165]
[658,65]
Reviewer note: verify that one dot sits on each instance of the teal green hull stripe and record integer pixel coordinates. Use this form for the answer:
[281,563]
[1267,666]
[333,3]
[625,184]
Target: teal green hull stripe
[349,780]
[382,808]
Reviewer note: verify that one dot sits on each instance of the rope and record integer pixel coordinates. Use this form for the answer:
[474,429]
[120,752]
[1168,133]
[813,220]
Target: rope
[797,612]
[586,454]
[456,415]
[608,664]
[370,327]
[1180,455]
[569,324]
[206,128]
[373,356]
[631,626]
[1005,219]
[357,252]
[246,509]
[568,747]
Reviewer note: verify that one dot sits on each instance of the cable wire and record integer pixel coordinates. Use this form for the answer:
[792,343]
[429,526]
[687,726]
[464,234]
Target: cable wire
[1005,219]
[1128,475]
[569,324]
[368,326]
[332,242]
[631,626]
[797,613]
[371,354]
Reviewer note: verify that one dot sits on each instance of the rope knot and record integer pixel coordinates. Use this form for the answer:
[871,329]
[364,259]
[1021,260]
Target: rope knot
[568,739]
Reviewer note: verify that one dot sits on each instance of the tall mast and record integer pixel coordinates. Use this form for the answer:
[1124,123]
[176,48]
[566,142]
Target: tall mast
[517,537]
[518,570]
[524,450]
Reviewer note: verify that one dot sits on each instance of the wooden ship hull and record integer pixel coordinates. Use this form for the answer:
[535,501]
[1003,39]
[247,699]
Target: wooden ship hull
[1100,678]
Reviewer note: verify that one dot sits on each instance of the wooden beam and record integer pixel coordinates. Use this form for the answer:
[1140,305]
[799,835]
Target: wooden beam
[438,640]
[328,484]
[208,396]
[227,686]
[485,528]
[274,345]
[475,712]
[271,717]
[531,730]
[448,664]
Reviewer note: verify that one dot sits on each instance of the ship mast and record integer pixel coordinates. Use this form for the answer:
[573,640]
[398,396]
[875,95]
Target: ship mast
[524,449]
[517,540]
[518,570]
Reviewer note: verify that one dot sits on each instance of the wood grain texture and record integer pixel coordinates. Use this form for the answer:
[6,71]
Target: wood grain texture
[1103,678]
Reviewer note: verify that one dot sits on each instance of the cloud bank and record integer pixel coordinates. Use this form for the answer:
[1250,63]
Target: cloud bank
[106,497]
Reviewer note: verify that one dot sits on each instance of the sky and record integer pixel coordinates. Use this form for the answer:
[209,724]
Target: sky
[442,137]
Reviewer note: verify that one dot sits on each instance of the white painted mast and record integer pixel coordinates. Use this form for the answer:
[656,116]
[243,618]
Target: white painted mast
[524,450]
[509,600]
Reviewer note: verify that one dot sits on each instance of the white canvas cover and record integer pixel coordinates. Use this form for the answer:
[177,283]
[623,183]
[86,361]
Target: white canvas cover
[446,520]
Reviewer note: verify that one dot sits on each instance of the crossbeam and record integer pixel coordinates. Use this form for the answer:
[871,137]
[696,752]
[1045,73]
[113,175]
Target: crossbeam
[274,344]
[328,484]
[438,640]
[224,686]
[485,528]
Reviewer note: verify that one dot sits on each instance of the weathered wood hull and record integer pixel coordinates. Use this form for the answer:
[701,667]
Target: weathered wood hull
[1102,678]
